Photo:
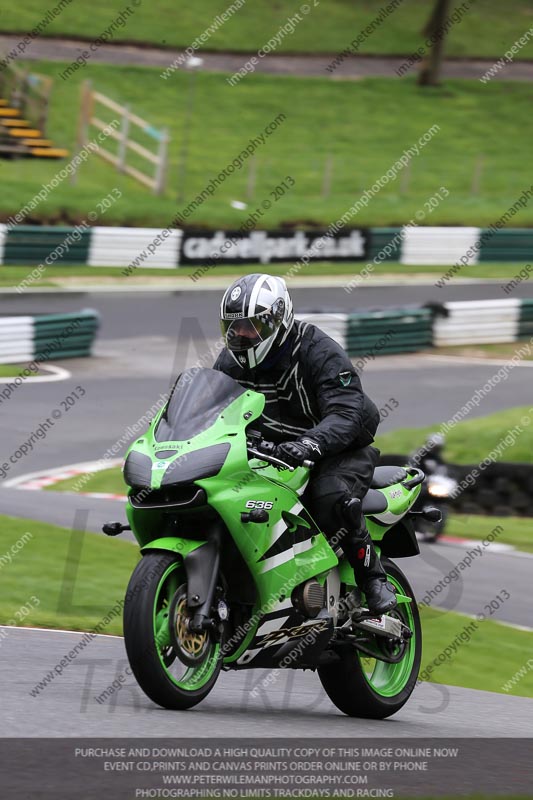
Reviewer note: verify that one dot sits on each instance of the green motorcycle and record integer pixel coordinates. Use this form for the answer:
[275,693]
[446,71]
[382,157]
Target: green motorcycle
[235,573]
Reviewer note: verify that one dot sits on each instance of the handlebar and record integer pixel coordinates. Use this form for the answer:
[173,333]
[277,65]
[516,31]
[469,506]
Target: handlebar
[264,455]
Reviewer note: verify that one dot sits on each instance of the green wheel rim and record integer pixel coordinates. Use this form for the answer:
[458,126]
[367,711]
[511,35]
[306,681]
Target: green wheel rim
[386,679]
[195,677]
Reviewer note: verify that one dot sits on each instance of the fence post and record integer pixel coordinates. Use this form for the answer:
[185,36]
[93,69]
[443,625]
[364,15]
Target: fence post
[82,135]
[328,173]
[45,95]
[161,170]
[85,114]
[123,144]
[478,172]
[252,178]
[405,178]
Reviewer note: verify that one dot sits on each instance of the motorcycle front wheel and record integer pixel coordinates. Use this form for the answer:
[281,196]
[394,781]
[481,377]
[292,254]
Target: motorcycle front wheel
[174,666]
[367,687]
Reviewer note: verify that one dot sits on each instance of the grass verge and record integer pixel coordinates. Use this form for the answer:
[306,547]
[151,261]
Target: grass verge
[21,371]
[12,370]
[71,276]
[488,660]
[106,480]
[481,32]
[78,577]
[517,531]
[503,350]
[396,115]
[469,441]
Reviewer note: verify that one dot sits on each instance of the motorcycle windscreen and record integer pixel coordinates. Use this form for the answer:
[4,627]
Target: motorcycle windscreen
[198,398]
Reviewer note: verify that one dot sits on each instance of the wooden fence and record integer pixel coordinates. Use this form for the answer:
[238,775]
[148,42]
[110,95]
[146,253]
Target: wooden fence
[90,115]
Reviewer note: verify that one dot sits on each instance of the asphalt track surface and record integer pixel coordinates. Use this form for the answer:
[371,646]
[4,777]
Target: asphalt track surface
[354,67]
[294,706]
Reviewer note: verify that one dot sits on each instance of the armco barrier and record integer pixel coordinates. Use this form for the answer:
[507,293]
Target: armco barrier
[438,245]
[119,247]
[525,323]
[47,337]
[389,331]
[378,332]
[3,237]
[478,322]
[373,332]
[501,489]
[335,325]
[511,244]
[385,244]
[33,244]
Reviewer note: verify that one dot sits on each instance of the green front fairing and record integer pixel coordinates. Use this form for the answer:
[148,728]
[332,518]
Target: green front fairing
[229,426]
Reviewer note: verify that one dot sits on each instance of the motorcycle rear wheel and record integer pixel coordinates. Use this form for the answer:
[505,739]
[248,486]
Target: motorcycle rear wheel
[370,688]
[175,667]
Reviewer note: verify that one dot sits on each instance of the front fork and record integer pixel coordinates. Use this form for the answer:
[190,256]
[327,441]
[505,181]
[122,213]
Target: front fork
[202,568]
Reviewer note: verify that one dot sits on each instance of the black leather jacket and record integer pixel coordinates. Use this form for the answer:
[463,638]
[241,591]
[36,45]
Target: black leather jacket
[312,388]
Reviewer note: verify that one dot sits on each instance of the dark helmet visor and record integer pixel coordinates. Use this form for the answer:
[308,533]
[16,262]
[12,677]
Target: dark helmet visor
[246,332]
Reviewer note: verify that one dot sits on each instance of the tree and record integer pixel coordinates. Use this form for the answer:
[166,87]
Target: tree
[435,30]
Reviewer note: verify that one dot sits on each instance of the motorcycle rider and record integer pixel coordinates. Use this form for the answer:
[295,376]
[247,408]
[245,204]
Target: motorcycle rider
[315,409]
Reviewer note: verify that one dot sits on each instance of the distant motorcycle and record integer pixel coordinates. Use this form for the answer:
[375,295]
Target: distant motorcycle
[438,487]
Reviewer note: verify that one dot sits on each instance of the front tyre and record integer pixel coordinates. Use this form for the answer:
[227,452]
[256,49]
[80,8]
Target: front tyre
[366,687]
[175,667]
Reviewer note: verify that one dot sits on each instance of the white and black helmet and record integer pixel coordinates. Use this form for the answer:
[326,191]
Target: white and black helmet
[256,313]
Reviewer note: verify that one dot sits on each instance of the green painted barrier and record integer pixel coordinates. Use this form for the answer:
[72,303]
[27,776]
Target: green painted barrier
[69,335]
[389,331]
[33,244]
[385,242]
[507,245]
[525,321]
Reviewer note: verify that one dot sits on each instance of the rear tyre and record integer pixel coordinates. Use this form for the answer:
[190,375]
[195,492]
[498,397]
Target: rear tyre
[370,688]
[175,667]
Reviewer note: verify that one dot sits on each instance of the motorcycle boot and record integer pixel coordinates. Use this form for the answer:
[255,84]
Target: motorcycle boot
[359,549]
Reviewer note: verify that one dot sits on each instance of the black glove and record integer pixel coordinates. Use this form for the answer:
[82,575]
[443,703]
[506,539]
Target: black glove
[295,453]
